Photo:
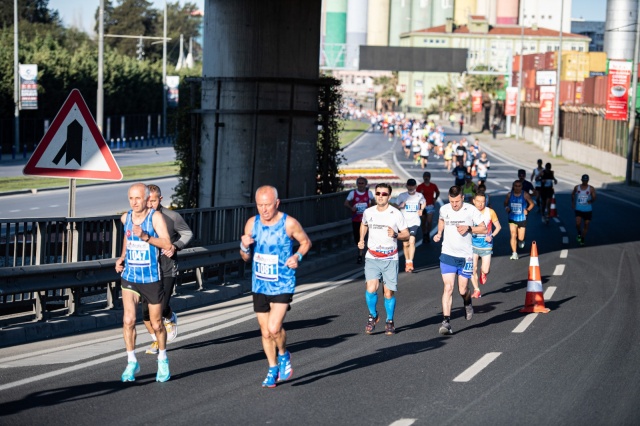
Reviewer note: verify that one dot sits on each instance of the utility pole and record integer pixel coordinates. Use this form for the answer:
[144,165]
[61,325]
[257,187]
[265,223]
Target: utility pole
[164,73]
[518,100]
[16,82]
[555,144]
[100,96]
[632,113]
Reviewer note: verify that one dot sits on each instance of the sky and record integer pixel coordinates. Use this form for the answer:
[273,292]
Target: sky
[79,13]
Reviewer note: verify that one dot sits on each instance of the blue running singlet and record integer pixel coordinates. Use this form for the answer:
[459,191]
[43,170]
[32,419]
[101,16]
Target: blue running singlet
[517,206]
[272,248]
[141,264]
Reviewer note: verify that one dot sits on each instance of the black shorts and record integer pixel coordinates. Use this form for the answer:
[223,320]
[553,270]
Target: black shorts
[152,293]
[584,215]
[546,192]
[262,302]
[520,223]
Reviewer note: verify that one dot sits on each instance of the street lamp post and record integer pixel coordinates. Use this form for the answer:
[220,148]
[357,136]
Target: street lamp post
[556,113]
[164,73]
[518,100]
[100,97]
[632,112]
[16,81]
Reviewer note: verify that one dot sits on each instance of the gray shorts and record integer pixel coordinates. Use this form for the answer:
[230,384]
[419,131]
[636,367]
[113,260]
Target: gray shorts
[385,270]
[482,252]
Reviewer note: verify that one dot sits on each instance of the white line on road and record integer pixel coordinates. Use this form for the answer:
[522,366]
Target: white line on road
[564,253]
[556,220]
[559,270]
[562,229]
[549,293]
[526,322]
[403,422]
[565,240]
[477,367]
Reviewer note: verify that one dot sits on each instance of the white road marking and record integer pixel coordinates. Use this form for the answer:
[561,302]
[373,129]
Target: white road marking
[14,211]
[34,208]
[403,422]
[477,367]
[526,322]
[562,229]
[559,270]
[565,240]
[549,293]
[564,253]
[556,220]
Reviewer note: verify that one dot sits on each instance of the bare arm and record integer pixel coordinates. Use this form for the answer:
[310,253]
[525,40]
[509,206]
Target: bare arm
[163,241]
[295,231]
[593,194]
[438,235]
[247,240]
[530,203]
[120,260]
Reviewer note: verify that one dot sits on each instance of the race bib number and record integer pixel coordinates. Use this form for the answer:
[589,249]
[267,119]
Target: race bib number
[361,207]
[265,266]
[516,208]
[583,199]
[411,208]
[468,266]
[138,253]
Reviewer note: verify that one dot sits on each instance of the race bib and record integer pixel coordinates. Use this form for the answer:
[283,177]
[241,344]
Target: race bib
[583,199]
[361,207]
[138,253]
[411,208]
[516,208]
[265,266]
[468,266]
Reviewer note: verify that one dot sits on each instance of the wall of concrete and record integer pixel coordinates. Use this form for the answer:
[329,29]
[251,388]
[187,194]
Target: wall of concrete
[258,122]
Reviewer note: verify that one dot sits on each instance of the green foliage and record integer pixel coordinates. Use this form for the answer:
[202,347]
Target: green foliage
[329,154]
[389,96]
[33,11]
[489,84]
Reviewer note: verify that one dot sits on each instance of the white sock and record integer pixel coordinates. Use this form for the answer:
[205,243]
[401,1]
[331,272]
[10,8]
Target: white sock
[131,356]
[153,336]
[162,354]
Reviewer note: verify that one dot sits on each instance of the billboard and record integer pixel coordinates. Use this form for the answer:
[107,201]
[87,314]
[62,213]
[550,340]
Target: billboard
[28,86]
[389,58]
[618,83]
[511,105]
[547,105]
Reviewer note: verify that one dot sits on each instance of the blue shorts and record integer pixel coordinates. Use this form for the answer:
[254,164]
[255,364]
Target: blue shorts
[456,265]
[430,209]
[385,270]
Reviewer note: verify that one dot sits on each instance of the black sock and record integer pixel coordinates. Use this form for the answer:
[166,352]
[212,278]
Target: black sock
[446,318]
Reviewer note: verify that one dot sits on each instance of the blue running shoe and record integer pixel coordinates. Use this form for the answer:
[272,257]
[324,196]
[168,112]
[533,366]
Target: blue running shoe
[284,363]
[163,370]
[272,376]
[129,374]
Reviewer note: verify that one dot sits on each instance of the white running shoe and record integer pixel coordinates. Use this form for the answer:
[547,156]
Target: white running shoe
[172,327]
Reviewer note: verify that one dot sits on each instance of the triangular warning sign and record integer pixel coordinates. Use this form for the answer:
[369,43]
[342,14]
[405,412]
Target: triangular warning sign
[73,146]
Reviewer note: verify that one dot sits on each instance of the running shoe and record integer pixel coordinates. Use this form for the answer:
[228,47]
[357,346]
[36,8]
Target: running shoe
[272,376]
[514,256]
[582,242]
[445,328]
[579,239]
[359,261]
[284,367]
[171,325]
[483,278]
[408,267]
[389,328]
[129,374]
[476,294]
[163,370]
[371,324]
[153,349]
[521,244]
[468,312]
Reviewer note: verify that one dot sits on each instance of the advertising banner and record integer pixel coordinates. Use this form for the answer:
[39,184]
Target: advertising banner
[511,105]
[618,83]
[173,83]
[28,86]
[547,101]
[476,101]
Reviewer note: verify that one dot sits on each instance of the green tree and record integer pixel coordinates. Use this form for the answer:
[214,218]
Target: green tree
[33,11]
[328,152]
[488,84]
[443,95]
[129,18]
[389,96]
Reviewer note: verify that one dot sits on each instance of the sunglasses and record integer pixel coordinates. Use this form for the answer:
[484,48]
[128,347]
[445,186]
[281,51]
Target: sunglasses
[382,194]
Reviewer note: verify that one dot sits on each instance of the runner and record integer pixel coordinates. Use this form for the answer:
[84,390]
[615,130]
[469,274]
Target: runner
[482,166]
[430,192]
[468,189]
[411,204]
[483,243]
[582,199]
[385,225]
[459,172]
[546,194]
[517,204]
[358,201]
[448,155]
[536,178]
[456,223]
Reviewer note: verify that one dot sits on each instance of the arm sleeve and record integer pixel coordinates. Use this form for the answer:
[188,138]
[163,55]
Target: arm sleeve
[186,235]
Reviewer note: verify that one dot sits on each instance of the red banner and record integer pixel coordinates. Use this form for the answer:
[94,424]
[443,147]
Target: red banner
[511,104]
[547,101]
[476,101]
[618,83]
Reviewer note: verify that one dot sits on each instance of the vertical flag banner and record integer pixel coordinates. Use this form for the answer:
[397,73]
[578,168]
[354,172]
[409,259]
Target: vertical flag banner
[618,83]
[28,86]
[173,83]
[547,101]
[511,104]
[476,101]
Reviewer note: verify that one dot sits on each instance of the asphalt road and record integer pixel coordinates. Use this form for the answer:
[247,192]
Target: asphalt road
[576,365]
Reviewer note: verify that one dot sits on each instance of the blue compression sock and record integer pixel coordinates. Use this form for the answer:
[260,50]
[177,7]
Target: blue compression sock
[390,306]
[372,301]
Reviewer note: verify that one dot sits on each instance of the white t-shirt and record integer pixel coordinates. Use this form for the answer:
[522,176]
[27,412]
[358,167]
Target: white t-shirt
[411,206]
[455,244]
[380,244]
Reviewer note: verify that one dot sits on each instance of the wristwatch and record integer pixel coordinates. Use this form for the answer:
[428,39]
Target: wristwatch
[395,235]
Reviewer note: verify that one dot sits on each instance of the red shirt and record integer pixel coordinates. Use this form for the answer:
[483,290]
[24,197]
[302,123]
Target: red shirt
[428,191]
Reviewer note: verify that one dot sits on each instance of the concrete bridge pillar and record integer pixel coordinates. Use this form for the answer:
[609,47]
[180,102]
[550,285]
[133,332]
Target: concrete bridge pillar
[259,99]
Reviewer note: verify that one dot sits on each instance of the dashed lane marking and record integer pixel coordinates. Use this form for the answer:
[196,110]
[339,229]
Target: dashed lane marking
[549,293]
[477,367]
[562,229]
[565,240]
[403,422]
[526,321]
[559,270]
[564,253]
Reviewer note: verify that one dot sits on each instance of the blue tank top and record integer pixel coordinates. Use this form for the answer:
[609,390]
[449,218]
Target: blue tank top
[582,200]
[272,248]
[517,206]
[141,264]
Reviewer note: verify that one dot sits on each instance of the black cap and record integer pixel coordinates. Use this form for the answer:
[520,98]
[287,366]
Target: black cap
[412,182]
[522,172]
[585,178]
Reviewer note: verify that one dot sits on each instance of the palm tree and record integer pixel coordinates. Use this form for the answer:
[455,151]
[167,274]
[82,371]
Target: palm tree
[388,96]
[444,96]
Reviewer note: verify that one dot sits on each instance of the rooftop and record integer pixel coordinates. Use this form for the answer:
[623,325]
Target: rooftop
[502,30]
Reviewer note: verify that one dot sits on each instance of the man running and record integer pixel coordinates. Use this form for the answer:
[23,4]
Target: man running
[536,178]
[483,243]
[430,192]
[385,225]
[180,235]
[145,234]
[517,204]
[456,222]
[582,199]
[358,201]
[268,239]
[411,204]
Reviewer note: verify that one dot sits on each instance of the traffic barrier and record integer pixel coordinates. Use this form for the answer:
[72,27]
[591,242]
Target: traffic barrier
[553,212]
[534,301]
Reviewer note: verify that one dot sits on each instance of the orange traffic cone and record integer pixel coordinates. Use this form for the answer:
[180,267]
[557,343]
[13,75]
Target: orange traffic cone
[534,302]
[553,212]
